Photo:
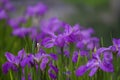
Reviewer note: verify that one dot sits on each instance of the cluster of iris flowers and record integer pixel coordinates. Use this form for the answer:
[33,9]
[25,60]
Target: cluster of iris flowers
[59,51]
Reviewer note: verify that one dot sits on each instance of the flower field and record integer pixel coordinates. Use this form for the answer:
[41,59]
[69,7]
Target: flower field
[35,48]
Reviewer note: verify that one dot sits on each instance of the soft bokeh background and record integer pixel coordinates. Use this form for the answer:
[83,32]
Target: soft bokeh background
[102,15]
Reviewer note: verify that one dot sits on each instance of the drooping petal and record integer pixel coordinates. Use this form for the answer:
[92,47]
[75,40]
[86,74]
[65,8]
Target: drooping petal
[52,75]
[54,68]
[44,63]
[81,70]
[53,56]
[6,67]
[93,71]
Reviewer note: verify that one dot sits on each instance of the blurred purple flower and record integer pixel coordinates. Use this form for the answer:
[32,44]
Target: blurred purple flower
[53,71]
[17,22]
[13,61]
[52,26]
[6,5]
[3,15]
[48,42]
[41,59]
[116,46]
[29,77]
[43,63]
[95,63]
[93,43]
[53,56]
[84,53]
[27,60]
[72,34]
[38,9]
[21,32]
[75,56]
[60,40]
[67,53]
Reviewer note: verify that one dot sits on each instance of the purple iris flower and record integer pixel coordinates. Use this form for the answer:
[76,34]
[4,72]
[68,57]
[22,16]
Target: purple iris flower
[87,33]
[53,56]
[84,53]
[69,35]
[21,32]
[72,34]
[6,5]
[3,15]
[52,26]
[116,46]
[53,71]
[67,53]
[48,42]
[17,22]
[44,63]
[93,43]
[75,56]
[29,77]
[60,40]
[96,62]
[38,9]
[88,43]
[41,59]
[27,60]
[13,61]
